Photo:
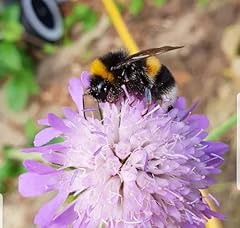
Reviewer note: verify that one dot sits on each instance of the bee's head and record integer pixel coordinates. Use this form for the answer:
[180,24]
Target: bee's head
[100,88]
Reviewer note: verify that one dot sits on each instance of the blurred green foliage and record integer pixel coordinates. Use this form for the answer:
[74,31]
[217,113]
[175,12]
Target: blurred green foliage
[9,168]
[160,2]
[49,49]
[30,130]
[11,165]
[16,66]
[82,14]
[203,3]
[136,6]
[17,70]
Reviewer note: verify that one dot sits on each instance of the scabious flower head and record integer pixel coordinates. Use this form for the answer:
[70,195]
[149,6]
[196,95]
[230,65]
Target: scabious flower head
[126,170]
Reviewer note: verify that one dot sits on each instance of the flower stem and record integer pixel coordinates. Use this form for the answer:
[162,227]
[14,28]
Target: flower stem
[217,132]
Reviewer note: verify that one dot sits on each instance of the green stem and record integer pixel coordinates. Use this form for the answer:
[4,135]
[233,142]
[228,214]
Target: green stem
[217,132]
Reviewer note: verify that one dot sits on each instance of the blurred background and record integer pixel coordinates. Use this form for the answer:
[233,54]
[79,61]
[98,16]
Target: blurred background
[43,43]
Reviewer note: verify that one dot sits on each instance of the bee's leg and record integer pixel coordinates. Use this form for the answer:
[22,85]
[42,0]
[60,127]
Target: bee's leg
[85,110]
[148,96]
[100,111]
[83,101]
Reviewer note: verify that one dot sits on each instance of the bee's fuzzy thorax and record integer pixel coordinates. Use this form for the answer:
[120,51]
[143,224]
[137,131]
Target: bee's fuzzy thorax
[153,66]
[98,68]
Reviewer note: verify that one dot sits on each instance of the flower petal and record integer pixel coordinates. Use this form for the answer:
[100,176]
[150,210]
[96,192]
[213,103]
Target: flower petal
[69,113]
[197,120]
[37,167]
[45,135]
[57,123]
[216,147]
[49,210]
[180,103]
[43,122]
[65,217]
[85,78]
[58,147]
[55,158]
[33,184]
[76,92]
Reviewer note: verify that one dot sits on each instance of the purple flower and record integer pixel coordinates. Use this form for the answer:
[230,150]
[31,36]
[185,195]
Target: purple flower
[126,170]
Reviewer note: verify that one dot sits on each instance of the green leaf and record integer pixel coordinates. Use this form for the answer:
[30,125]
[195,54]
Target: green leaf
[30,129]
[27,61]
[10,167]
[82,13]
[6,151]
[90,21]
[160,2]
[203,3]
[120,6]
[27,77]
[11,31]
[17,94]
[79,12]
[11,13]
[56,140]
[136,6]
[49,48]
[10,58]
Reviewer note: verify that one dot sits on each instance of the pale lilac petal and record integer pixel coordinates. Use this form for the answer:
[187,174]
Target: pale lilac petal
[58,147]
[57,123]
[45,135]
[76,92]
[180,103]
[85,78]
[33,184]
[65,217]
[54,158]
[69,113]
[37,167]
[46,214]
[216,147]
[200,121]
[43,122]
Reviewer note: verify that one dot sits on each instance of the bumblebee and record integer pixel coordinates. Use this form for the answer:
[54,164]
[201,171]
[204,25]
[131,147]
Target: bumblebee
[142,74]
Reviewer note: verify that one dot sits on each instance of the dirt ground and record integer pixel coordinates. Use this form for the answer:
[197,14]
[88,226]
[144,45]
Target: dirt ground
[199,68]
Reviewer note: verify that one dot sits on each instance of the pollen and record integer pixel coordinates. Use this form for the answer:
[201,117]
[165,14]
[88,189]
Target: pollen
[98,68]
[153,66]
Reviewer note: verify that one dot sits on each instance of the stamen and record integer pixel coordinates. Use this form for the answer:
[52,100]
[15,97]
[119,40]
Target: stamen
[175,194]
[75,173]
[217,156]
[213,199]
[97,151]
[152,111]
[99,133]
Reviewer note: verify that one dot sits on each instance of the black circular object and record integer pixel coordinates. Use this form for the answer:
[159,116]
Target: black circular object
[42,18]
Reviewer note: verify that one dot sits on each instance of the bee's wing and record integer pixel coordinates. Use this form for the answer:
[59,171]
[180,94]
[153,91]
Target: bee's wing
[145,54]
